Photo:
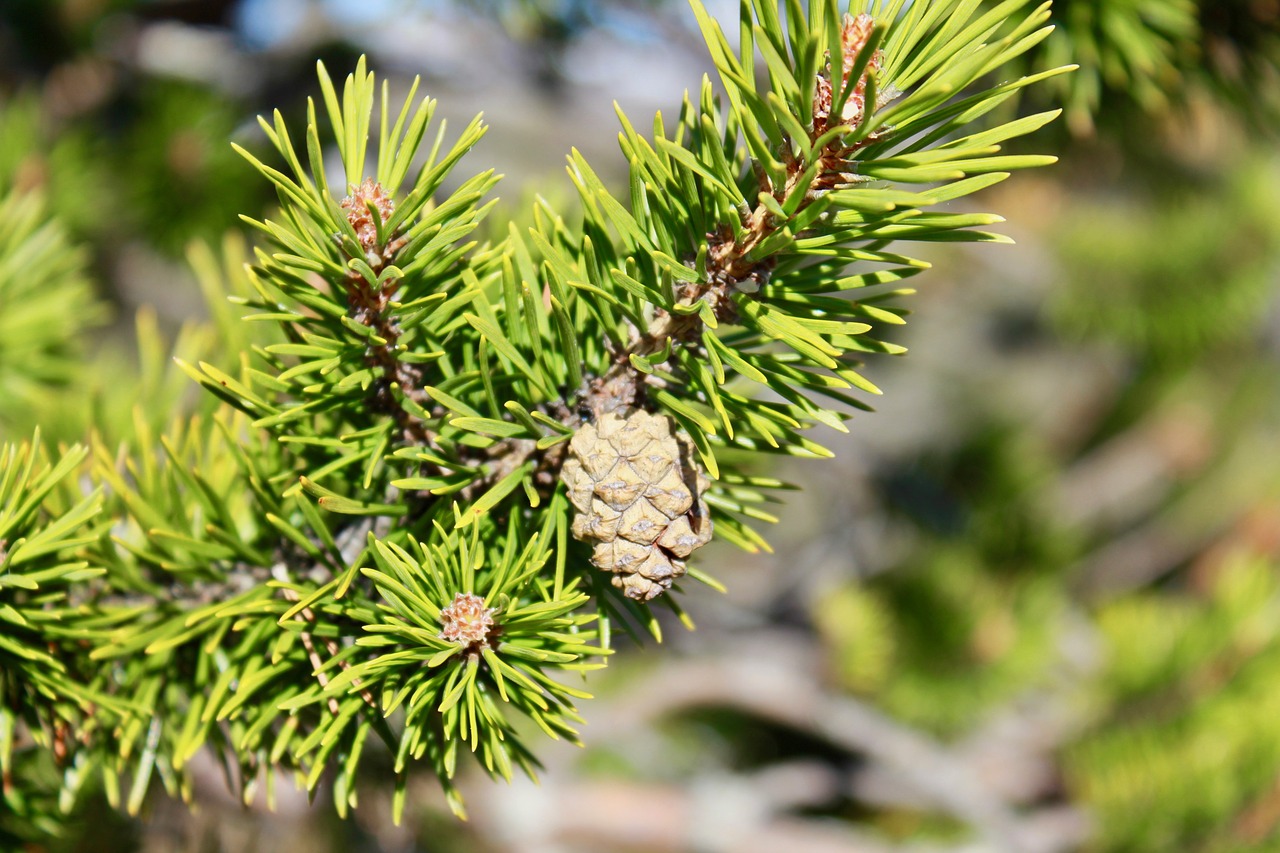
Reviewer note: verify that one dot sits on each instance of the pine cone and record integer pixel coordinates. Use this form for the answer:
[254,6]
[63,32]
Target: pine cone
[639,498]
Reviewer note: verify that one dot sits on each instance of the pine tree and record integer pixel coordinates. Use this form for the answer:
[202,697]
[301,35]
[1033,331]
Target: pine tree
[443,460]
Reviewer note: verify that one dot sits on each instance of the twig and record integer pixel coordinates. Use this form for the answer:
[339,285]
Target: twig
[317,662]
[730,270]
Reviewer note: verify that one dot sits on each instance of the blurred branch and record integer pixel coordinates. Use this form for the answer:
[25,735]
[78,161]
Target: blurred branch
[1186,525]
[715,813]
[1132,474]
[776,681]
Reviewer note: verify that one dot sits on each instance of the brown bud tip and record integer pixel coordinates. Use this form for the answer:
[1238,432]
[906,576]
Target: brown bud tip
[853,38]
[854,32]
[357,207]
[467,620]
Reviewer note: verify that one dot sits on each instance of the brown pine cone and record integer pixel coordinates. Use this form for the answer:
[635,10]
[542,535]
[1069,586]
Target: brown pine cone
[639,498]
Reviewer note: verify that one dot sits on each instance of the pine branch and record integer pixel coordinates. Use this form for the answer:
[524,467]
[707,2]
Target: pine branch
[436,472]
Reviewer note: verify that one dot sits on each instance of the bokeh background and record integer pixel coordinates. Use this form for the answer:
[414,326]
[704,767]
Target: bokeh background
[1034,602]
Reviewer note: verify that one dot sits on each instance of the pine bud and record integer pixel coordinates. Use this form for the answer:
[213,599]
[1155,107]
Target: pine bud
[466,621]
[853,38]
[638,497]
[356,204]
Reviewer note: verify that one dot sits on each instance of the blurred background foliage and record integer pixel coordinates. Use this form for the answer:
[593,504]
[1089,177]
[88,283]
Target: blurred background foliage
[1033,605]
